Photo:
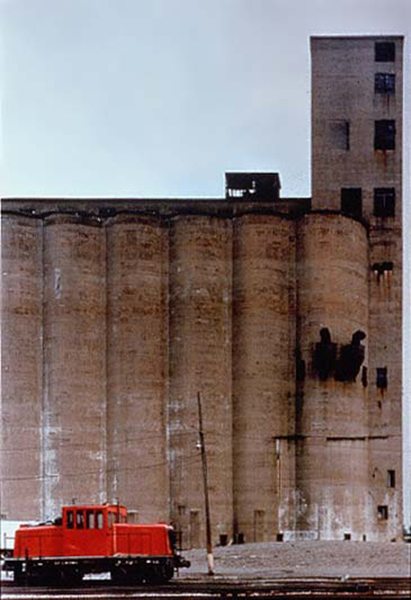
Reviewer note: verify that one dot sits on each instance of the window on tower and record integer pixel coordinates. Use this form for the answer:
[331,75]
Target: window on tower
[384,135]
[382,378]
[351,201]
[382,512]
[384,202]
[384,83]
[391,478]
[339,131]
[384,52]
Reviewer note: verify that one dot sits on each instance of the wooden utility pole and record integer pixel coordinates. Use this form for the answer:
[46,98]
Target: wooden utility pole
[210,557]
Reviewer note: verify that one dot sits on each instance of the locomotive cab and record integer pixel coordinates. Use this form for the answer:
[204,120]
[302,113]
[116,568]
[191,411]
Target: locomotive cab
[94,539]
[89,529]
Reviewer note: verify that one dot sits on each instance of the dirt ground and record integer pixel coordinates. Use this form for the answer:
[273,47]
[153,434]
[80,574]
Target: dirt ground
[343,560]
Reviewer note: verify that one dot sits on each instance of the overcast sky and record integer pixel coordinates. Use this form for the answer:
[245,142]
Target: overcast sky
[158,98]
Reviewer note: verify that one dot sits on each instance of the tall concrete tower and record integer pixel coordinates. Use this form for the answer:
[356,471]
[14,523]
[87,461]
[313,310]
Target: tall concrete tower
[356,170]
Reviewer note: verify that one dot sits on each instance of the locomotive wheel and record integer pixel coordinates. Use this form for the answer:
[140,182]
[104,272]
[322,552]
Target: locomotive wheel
[19,577]
[124,576]
[71,577]
[161,573]
[167,571]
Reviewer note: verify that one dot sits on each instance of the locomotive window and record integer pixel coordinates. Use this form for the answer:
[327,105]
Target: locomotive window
[70,519]
[111,519]
[99,519]
[79,519]
[90,520]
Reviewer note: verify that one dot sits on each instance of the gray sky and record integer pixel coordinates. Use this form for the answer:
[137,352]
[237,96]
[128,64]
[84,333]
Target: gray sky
[158,98]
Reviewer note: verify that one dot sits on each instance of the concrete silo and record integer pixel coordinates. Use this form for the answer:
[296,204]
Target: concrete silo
[137,266]
[331,402]
[21,366]
[263,373]
[200,362]
[74,409]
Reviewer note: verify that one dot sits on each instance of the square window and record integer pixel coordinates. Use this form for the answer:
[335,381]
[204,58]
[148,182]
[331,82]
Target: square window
[384,51]
[382,512]
[339,132]
[384,135]
[384,202]
[351,201]
[384,83]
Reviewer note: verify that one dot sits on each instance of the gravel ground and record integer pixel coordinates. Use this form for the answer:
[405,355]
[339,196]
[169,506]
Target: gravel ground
[343,560]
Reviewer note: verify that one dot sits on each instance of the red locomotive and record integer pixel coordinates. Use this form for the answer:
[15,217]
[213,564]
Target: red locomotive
[94,539]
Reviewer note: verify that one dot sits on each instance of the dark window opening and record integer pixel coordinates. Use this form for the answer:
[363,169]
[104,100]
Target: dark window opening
[391,478]
[364,537]
[384,83]
[384,202]
[70,519]
[364,377]
[299,366]
[384,135]
[280,537]
[382,512]
[382,378]
[340,134]
[384,51]
[351,201]
[383,267]
[347,536]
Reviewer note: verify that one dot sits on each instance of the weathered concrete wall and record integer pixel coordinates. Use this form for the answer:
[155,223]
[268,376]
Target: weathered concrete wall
[343,91]
[74,413]
[21,367]
[200,361]
[343,72]
[137,264]
[263,371]
[331,414]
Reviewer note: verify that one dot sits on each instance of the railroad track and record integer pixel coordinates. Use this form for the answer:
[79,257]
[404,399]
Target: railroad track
[224,589]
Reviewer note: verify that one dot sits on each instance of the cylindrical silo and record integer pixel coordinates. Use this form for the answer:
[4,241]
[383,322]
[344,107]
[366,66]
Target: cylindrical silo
[137,354]
[74,420]
[200,362]
[263,373]
[332,304]
[21,362]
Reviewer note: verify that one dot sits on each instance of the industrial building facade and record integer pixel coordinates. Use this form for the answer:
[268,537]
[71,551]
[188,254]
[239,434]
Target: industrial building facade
[284,314]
